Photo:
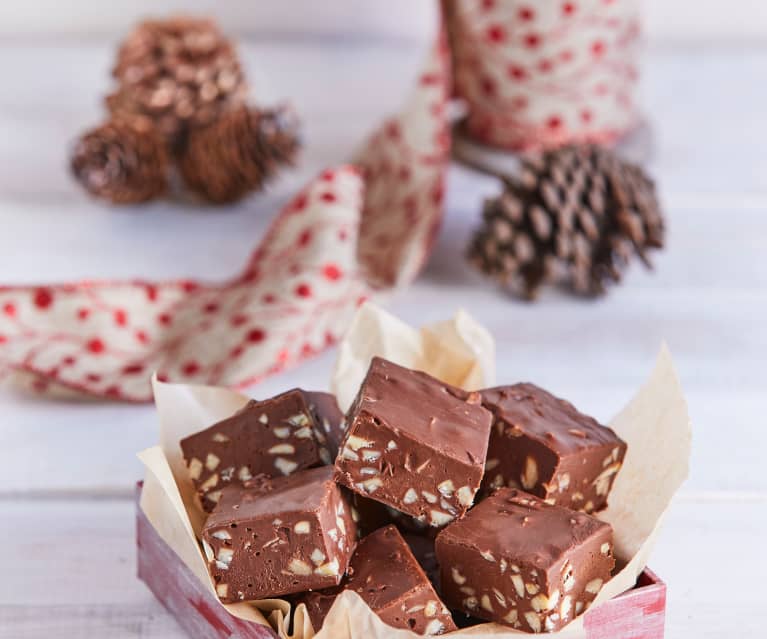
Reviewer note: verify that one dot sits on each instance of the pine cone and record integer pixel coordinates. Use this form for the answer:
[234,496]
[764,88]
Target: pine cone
[239,153]
[575,217]
[181,73]
[123,161]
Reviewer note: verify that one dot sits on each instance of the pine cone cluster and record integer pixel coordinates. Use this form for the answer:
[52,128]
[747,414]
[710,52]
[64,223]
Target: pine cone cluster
[180,73]
[180,103]
[239,153]
[123,161]
[575,217]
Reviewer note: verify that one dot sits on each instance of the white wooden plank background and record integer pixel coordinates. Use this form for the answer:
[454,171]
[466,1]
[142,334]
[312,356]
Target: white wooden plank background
[68,468]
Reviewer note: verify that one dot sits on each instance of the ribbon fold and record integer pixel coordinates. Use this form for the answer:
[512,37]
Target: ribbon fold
[353,231]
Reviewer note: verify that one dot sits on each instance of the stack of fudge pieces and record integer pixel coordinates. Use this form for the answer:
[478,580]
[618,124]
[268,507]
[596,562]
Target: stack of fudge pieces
[435,505]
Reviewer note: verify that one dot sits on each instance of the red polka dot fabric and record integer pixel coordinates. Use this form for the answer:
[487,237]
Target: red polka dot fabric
[541,73]
[352,231]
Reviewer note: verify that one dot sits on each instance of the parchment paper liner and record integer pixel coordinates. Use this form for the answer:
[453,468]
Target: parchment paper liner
[655,424]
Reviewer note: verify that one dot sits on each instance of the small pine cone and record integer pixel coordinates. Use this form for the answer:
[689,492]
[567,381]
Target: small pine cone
[181,73]
[123,161]
[239,153]
[575,217]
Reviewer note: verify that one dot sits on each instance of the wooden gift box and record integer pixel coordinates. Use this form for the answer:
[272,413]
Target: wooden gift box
[636,614]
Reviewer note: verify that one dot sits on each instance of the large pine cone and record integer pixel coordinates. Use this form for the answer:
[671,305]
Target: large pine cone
[181,73]
[123,161]
[575,217]
[239,153]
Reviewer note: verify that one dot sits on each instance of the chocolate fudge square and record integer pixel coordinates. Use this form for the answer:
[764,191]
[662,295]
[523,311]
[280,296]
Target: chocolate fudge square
[517,560]
[386,575]
[295,430]
[414,443]
[545,446]
[290,534]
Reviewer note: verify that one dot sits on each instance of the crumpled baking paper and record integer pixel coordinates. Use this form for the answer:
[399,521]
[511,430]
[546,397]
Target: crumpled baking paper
[655,424]
[458,351]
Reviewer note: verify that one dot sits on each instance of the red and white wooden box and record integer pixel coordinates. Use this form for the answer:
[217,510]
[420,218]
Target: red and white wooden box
[636,614]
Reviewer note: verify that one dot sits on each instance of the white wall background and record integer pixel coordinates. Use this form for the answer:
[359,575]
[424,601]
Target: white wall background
[693,21]
[356,18]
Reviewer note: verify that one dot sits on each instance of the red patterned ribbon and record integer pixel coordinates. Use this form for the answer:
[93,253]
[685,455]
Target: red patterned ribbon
[543,73]
[353,230]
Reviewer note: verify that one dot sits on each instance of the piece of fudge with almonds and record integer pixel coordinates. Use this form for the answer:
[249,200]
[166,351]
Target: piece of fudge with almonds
[295,430]
[517,560]
[386,575]
[545,446]
[289,535]
[414,443]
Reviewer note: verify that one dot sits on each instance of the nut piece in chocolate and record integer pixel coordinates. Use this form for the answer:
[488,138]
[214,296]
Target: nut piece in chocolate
[386,575]
[414,443]
[516,560]
[543,445]
[275,437]
[289,535]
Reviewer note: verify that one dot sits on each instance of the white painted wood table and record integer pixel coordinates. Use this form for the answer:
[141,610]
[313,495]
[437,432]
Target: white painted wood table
[68,469]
